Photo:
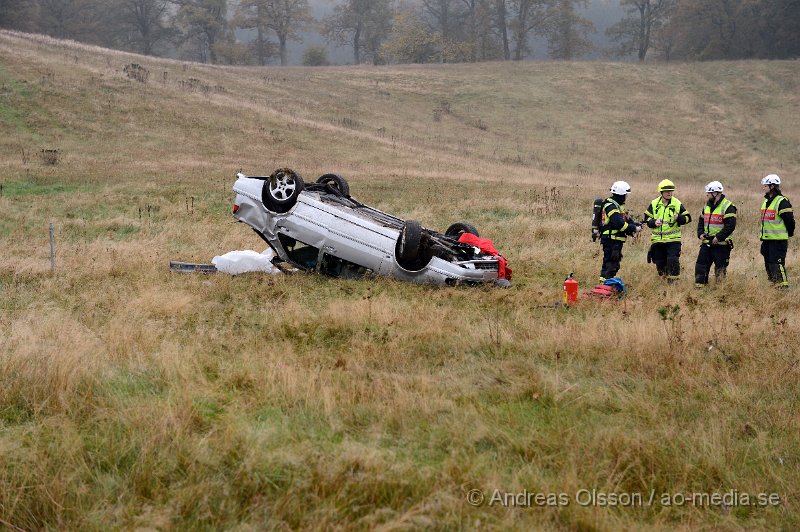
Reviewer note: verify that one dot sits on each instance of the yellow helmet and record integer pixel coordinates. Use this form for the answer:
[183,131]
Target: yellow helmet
[666,186]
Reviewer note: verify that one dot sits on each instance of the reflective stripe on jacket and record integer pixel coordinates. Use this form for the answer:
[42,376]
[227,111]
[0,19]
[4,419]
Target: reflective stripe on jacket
[772,226]
[669,230]
[714,219]
[610,208]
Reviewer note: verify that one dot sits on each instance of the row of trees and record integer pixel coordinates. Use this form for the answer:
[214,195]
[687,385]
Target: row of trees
[416,31]
[709,29]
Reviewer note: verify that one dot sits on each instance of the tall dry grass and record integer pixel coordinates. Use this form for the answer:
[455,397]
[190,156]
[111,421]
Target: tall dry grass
[135,398]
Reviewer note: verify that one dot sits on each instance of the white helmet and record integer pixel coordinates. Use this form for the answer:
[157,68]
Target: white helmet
[620,188]
[771,179]
[714,186]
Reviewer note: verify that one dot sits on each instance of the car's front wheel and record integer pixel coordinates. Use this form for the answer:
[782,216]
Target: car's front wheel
[408,245]
[281,190]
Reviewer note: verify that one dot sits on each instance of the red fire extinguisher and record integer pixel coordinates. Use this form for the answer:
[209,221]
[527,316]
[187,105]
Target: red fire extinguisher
[570,290]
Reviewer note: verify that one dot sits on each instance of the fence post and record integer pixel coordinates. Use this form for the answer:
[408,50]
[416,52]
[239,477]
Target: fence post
[52,251]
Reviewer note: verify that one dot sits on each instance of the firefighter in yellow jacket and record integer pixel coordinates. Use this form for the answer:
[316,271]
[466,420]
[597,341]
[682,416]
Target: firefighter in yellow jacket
[714,229]
[665,216]
[777,226]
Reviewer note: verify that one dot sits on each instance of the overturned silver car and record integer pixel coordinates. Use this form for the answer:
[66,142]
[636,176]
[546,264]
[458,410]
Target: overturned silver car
[320,227]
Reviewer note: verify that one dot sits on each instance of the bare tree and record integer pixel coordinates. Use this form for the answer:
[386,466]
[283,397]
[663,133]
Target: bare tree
[379,28]
[664,41]
[501,13]
[144,23]
[287,18]
[567,31]
[83,20]
[252,14]
[364,24]
[481,31]
[635,32]
[714,29]
[440,11]
[19,14]
[445,17]
[528,16]
[472,33]
[205,21]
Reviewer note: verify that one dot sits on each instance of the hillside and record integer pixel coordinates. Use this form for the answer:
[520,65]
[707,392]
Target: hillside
[132,397]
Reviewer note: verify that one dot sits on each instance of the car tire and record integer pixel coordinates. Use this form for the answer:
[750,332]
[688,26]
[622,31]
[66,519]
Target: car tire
[337,182]
[281,190]
[408,244]
[459,228]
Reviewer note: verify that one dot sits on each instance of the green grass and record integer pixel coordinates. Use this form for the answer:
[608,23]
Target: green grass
[11,90]
[20,189]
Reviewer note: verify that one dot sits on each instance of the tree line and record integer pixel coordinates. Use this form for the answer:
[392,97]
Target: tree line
[416,31]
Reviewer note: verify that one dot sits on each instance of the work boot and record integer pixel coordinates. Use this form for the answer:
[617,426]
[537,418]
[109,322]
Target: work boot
[774,273]
[673,267]
[700,277]
[699,285]
[720,273]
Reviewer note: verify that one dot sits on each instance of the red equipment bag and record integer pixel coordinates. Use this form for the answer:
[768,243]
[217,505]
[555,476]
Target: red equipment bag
[604,291]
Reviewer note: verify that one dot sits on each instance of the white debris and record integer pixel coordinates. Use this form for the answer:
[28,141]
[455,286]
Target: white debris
[236,262]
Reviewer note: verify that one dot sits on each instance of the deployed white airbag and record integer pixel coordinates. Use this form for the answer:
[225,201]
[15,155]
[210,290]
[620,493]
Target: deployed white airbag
[236,262]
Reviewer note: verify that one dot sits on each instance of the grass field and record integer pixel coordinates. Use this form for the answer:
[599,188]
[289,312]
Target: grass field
[131,397]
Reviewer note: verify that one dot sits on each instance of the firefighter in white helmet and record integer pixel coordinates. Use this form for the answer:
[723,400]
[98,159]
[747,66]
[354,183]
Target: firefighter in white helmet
[665,215]
[615,228]
[777,225]
[714,229]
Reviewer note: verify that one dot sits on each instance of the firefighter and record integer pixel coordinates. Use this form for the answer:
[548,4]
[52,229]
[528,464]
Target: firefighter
[777,225]
[615,228]
[665,215]
[714,229]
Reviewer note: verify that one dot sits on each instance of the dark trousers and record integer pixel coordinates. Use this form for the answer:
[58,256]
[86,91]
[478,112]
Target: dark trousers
[719,256]
[667,256]
[774,253]
[612,256]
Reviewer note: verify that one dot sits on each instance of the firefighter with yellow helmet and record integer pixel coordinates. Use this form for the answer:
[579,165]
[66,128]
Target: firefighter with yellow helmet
[665,216]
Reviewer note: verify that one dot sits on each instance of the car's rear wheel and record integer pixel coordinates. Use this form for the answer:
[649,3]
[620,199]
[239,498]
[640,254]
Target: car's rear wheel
[337,182]
[459,228]
[408,245]
[281,190]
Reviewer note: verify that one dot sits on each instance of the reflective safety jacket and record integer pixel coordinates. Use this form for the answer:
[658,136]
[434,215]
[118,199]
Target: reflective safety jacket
[669,230]
[614,221]
[718,220]
[775,219]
